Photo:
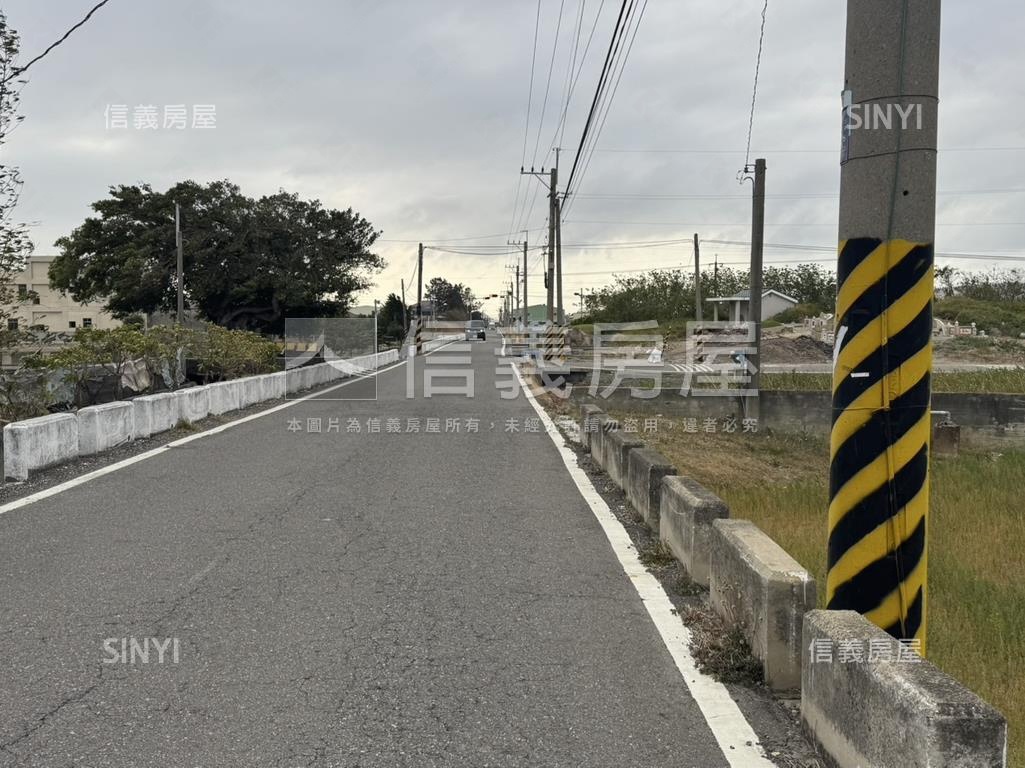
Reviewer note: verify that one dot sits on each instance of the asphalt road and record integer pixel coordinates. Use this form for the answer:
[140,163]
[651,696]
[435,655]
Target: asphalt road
[337,599]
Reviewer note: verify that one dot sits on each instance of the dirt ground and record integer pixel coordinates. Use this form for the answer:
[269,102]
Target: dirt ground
[781,345]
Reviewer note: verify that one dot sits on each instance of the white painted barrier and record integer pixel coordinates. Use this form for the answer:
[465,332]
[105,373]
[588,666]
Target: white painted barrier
[106,426]
[225,396]
[37,443]
[193,403]
[155,413]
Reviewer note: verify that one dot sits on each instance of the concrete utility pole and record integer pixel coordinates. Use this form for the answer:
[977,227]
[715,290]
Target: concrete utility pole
[553,216]
[405,324]
[526,312]
[517,290]
[560,313]
[375,326]
[420,300]
[180,317]
[755,299]
[883,320]
[697,279]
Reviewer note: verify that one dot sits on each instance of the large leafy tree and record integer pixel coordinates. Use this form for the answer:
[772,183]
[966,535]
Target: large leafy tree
[248,263]
[452,301]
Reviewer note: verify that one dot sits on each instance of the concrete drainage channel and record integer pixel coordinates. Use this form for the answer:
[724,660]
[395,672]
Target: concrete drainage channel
[46,441]
[867,709]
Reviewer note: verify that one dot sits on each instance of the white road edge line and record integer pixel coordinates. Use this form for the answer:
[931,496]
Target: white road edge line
[32,498]
[736,737]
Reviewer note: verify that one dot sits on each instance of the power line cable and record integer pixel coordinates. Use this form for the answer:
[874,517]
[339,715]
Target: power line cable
[754,90]
[551,69]
[598,91]
[612,96]
[18,71]
[526,124]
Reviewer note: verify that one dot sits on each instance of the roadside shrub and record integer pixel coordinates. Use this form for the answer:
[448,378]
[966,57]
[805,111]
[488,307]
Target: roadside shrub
[221,353]
[1004,318]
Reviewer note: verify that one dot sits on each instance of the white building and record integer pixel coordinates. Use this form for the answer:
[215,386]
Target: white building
[735,308]
[36,304]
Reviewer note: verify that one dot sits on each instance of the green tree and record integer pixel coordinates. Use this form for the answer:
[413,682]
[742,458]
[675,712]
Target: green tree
[248,263]
[452,301]
[389,319]
[15,245]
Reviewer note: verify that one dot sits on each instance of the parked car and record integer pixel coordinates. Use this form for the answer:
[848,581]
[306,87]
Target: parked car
[475,329]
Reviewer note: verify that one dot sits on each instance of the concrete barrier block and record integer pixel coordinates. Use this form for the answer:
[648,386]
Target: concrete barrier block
[155,413]
[101,427]
[308,377]
[225,396]
[886,708]
[250,390]
[643,486]
[687,510]
[193,403]
[615,450]
[588,415]
[293,380]
[322,373]
[604,425]
[37,443]
[757,586]
[275,386]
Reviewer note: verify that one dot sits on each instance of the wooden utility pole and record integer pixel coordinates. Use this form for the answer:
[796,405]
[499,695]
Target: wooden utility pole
[879,446]
[697,279]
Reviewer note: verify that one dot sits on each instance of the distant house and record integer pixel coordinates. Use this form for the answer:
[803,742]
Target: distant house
[38,305]
[735,308]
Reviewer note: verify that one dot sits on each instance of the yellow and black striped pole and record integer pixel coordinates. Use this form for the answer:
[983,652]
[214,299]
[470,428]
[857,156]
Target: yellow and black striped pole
[879,446]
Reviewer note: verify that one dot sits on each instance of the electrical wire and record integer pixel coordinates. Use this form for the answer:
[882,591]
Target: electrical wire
[609,101]
[754,90]
[18,71]
[526,124]
[602,79]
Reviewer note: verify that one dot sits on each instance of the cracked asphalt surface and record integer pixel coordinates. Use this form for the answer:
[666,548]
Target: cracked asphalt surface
[338,599]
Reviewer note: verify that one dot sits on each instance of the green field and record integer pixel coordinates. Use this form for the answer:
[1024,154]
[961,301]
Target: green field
[976,608]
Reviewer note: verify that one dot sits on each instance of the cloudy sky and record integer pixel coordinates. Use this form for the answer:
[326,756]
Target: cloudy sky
[415,114]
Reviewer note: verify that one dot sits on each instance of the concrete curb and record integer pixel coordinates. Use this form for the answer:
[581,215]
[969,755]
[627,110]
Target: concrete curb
[883,711]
